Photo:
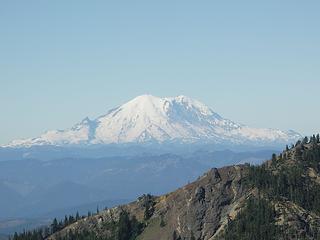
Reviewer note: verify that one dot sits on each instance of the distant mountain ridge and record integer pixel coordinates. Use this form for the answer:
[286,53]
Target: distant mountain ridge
[150,119]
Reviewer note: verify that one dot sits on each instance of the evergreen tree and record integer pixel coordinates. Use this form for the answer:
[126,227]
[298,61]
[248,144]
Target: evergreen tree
[66,221]
[174,235]
[54,226]
[305,140]
[124,226]
[149,207]
[192,236]
[71,220]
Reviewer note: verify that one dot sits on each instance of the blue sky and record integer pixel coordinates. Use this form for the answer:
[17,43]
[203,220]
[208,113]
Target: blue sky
[255,63]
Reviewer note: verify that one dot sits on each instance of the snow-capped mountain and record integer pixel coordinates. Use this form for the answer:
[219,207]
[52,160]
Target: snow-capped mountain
[148,118]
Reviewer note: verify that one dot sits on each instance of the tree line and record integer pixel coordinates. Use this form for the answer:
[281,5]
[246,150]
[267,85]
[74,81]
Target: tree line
[276,182]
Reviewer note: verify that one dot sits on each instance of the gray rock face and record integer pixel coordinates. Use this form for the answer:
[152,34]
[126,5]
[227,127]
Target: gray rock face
[200,208]
[203,207]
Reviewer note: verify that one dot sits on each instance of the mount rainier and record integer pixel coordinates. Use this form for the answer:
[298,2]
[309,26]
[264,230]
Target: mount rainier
[150,119]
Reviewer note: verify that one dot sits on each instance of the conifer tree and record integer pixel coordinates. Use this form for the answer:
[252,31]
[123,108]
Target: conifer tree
[174,235]
[124,226]
[192,236]
[274,157]
[98,210]
[54,226]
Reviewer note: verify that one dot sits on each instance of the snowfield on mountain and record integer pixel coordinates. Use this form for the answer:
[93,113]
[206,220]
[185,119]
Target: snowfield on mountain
[147,118]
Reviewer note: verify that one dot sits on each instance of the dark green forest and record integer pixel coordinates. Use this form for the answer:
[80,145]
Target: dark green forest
[126,228]
[277,181]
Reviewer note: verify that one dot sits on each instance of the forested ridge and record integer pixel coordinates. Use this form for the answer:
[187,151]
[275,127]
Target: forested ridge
[283,202]
[290,177]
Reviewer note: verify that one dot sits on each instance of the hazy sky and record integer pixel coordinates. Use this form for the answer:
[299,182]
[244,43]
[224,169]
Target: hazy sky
[255,62]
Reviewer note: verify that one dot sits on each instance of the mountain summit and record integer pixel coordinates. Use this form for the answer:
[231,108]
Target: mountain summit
[147,118]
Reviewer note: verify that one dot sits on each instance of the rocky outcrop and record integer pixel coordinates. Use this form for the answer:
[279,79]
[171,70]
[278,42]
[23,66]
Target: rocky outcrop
[202,210]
